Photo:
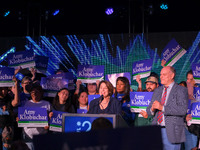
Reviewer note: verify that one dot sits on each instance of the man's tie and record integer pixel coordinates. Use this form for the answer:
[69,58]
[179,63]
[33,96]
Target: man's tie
[160,113]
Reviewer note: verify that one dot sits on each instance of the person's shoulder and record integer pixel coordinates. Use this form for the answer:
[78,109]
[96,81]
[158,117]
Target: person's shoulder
[45,102]
[179,87]
[114,100]
[94,101]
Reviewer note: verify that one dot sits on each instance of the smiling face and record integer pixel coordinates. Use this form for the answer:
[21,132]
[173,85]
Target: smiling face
[63,96]
[166,76]
[83,98]
[103,90]
[150,87]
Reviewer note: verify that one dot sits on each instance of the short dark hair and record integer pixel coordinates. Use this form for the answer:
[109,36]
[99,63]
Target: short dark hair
[189,72]
[101,123]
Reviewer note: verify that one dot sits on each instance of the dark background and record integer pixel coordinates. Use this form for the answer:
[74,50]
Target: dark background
[34,17]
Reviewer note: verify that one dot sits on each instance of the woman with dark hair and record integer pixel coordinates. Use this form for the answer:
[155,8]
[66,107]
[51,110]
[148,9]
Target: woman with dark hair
[83,100]
[105,104]
[122,93]
[62,101]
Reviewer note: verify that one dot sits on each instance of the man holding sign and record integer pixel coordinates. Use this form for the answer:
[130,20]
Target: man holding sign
[169,107]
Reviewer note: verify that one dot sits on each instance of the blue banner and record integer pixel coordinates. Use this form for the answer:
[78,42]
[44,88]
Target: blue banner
[113,77]
[56,121]
[6,77]
[32,117]
[90,73]
[92,97]
[172,53]
[24,59]
[41,63]
[140,100]
[142,68]
[196,72]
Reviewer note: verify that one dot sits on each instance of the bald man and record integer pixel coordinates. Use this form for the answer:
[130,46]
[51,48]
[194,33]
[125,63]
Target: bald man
[169,106]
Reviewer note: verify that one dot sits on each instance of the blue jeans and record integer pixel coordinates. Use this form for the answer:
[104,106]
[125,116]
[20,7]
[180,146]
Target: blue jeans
[191,140]
[166,144]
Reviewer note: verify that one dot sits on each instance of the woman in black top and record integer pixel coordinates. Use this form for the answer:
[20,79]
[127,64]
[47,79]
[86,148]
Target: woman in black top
[105,104]
[62,101]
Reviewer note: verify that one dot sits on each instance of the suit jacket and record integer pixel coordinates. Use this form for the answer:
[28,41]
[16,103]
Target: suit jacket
[174,111]
[114,107]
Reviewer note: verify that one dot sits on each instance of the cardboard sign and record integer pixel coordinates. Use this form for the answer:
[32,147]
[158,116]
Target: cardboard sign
[195,112]
[196,72]
[56,121]
[90,73]
[6,77]
[140,101]
[172,53]
[32,117]
[24,59]
[41,64]
[142,68]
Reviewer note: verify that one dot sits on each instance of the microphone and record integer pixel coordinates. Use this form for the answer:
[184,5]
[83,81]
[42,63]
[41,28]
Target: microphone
[101,99]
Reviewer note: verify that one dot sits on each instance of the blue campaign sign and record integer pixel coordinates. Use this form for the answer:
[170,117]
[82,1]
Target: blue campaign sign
[92,97]
[56,121]
[172,52]
[113,77]
[24,59]
[41,63]
[196,93]
[142,68]
[32,117]
[196,72]
[140,100]
[66,78]
[90,73]
[6,76]
[81,111]
[52,85]
[195,109]
[78,123]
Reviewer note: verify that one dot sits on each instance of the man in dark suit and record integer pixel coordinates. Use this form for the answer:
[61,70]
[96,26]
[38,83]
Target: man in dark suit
[169,106]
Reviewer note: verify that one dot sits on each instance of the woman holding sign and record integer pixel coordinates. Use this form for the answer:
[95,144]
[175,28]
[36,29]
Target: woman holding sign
[122,93]
[105,104]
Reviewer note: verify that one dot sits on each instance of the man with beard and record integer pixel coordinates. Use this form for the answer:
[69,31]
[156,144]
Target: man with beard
[151,84]
[142,119]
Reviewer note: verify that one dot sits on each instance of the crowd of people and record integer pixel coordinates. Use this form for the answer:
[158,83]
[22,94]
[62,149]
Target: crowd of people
[168,107]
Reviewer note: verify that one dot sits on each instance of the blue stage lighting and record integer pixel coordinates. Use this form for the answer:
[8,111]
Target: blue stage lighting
[164,6]
[6,13]
[109,11]
[56,12]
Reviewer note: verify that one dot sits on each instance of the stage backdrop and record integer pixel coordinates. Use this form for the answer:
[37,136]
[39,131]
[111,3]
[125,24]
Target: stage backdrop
[116,52]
